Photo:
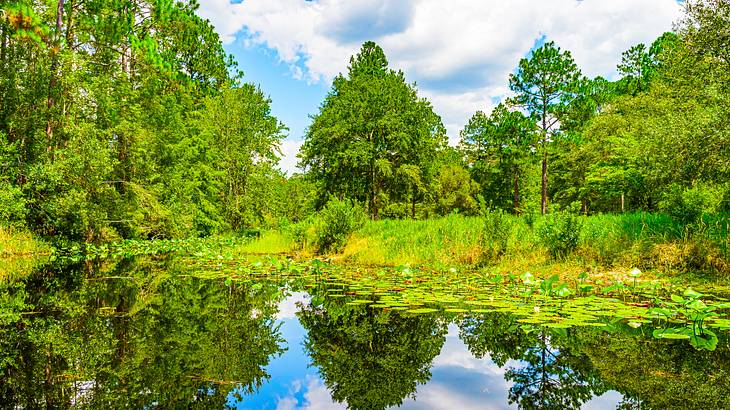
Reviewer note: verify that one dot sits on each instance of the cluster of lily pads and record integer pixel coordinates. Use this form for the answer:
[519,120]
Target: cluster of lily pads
[662,310]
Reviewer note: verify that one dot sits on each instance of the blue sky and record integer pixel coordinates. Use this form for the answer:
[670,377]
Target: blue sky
[459,52]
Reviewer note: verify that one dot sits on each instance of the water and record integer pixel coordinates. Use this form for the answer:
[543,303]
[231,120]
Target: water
[146,333]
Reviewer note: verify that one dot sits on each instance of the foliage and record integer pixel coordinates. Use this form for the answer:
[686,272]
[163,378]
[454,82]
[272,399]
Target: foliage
[560,234]
[499,148]
[689,205]
[456,191]
[496,234]
[12,205]
[338,219]
[121,119]
[374,140]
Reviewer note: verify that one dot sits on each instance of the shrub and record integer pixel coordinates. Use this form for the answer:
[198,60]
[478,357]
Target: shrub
[12,205]
[495,234]
[338,219]
[300,232]
[560,234]
[689,205]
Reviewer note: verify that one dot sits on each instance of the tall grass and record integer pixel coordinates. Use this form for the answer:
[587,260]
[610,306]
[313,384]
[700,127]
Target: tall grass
[18,242]
[649,241]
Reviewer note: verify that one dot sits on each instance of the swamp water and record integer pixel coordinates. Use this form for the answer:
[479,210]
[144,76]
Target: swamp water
[176,332]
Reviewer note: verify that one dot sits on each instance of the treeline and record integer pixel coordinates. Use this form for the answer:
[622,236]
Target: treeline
[657,139]
[127,119]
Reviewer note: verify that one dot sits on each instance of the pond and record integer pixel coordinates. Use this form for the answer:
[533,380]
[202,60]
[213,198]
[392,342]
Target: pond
[175,332]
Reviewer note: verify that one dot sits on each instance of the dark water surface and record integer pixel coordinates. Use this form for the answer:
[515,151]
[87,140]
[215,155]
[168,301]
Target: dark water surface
[155,333]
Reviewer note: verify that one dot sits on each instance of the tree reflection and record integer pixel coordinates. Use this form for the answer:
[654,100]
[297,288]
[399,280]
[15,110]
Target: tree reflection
[135,335]
[543,376]
[368,358]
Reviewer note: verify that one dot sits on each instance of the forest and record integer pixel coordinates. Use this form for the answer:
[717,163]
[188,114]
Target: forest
[127,120]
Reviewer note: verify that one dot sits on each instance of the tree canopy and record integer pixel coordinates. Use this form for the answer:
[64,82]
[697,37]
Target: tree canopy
[374,140]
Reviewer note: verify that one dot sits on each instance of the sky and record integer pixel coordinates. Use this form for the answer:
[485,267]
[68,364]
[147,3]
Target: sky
[459,52]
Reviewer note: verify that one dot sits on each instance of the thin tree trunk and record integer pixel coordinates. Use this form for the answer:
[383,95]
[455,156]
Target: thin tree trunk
[622,202]
[543,200]
[413,206]
[54,74]
[3,47]
[543,205]
[516,199]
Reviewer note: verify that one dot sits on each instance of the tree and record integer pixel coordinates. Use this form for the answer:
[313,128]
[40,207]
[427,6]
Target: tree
[706,28]
[370,359]
[245,138]
[371,125]
[545,84]
[639,66]
[456,191]
[115,116]
[498,148]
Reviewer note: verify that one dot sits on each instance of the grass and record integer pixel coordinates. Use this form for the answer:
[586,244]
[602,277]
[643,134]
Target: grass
[270,242]
[14,243]
[608,244]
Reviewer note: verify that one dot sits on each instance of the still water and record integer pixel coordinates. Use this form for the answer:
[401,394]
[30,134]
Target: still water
[156,333]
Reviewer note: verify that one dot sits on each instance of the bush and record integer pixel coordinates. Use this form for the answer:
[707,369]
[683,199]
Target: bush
[12,205]
[495,234]
[300,232]
[689,205]
[338,219]
[560,234]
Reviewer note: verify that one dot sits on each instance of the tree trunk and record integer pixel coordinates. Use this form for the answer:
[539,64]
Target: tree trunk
[543,202]
[3,47]
[54,74]
[543,199]
[516,199]
[413,207]
[622,202]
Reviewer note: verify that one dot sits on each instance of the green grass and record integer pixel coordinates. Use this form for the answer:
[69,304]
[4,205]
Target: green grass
[15,242]
[617,243]
[270,242]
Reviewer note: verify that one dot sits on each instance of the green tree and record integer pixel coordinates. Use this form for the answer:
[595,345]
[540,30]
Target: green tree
[108,122]
[639,65]
[545,84]
[245,137]
[370,126]
[499,148]
[455,190]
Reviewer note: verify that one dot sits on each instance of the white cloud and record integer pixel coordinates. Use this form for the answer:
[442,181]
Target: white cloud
[289,150]
[288,308]
[316,396]
[460,52]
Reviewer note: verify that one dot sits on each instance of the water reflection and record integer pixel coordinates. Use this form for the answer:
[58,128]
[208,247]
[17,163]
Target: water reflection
[370,358]
[151,333]
[138,336]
